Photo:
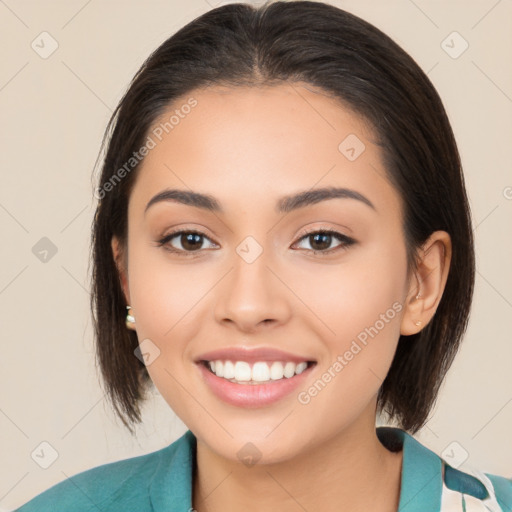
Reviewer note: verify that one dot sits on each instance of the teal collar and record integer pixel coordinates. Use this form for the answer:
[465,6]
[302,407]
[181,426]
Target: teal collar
[171,487]
[421,480]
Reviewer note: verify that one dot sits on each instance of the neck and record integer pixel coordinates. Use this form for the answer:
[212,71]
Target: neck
[350,471]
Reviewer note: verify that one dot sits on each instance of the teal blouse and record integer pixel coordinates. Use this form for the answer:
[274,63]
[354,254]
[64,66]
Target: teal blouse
[161,481]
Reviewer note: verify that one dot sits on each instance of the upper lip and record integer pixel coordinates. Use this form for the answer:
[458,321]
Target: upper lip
[251,355]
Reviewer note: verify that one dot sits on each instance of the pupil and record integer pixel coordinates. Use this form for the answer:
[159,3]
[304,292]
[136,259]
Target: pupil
[190,238]
[326,237]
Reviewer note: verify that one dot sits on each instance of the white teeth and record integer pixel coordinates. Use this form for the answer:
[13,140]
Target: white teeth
[241,371]
[300,368]
[276,371]
[229,370]
[260,372]
[289,369]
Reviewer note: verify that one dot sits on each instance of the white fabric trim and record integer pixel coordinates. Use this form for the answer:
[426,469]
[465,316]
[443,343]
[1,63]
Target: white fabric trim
[452,501]
[490,502]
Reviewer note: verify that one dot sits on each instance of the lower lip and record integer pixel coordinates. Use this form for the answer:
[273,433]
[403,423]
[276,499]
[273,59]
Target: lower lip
[252,395]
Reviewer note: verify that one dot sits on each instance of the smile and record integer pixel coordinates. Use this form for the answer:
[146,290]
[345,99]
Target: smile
[282,379]
[243,372]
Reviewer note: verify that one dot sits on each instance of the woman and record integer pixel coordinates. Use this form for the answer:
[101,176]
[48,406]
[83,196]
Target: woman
[283,246]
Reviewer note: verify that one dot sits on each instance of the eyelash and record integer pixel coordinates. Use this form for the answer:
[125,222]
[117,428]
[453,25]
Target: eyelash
[345,241]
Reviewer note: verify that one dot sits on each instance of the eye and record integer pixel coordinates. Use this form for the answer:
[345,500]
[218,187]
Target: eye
[189,241]
[321,240]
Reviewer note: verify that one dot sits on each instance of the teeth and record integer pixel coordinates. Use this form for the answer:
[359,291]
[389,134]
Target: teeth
[229,370]
[300,368]
[289,369]
[260,372]
[241,371]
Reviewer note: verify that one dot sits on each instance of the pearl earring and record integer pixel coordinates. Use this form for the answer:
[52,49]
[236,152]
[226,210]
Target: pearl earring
[130,319]
[418,323]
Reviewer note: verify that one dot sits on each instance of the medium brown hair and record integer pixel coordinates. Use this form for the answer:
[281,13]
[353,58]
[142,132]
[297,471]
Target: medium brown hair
[350,59]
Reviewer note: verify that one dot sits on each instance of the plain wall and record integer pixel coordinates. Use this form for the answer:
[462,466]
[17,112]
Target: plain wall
[53,113]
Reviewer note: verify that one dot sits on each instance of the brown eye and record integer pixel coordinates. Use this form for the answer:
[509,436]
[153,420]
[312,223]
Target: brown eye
[320,241]
[184,241]
[190,241]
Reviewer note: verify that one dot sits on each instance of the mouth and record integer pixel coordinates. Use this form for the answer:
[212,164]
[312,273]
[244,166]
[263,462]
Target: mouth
[257,372]
[254,378]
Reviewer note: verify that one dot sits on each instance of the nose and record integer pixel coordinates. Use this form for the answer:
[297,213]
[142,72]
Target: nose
[252,296]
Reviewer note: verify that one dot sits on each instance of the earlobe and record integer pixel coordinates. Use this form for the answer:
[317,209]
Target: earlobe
[119,259]
[427,286]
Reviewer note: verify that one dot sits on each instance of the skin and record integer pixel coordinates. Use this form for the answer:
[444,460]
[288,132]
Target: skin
[313,456]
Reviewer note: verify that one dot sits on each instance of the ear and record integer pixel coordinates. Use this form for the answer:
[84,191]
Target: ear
[427,285]
[120,261]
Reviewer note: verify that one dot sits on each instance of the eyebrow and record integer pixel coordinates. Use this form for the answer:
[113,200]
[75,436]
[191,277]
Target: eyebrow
[285,204]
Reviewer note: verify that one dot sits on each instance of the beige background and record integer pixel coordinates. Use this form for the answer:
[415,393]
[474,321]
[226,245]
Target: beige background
[53,113]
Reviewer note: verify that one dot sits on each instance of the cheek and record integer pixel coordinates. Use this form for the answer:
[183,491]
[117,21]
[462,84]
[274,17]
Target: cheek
[363,291]
[359,305]
[165,294]
[166,299]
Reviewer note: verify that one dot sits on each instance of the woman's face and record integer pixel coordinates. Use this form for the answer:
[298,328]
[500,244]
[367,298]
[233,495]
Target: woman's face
[250,284]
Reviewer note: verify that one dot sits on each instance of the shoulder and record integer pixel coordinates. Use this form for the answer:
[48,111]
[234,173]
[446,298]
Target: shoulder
[91,490]
[429,482]
[476,488]
[116,486]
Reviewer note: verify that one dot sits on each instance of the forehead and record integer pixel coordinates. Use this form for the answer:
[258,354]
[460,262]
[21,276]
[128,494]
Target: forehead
[245,145]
